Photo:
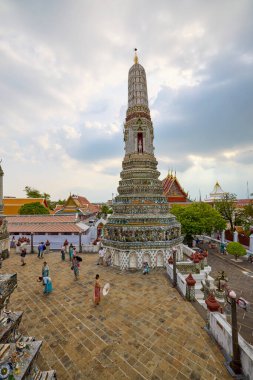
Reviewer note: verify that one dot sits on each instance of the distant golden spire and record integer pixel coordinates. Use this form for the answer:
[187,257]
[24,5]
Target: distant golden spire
[135,57]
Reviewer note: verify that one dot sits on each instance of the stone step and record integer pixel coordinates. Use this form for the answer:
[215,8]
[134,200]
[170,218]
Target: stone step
[45,375]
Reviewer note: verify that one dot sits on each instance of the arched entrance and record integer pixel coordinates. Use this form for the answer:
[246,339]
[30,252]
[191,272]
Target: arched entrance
[159,259]
[146,259]
[133,261]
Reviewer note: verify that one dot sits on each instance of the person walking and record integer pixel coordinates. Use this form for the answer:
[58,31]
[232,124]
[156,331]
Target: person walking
[23,255]
[43,249]
[45,271]
[75,267]
[101,254]
[71,252]
[40,249]
[97,290]
[48,285]
[63,253]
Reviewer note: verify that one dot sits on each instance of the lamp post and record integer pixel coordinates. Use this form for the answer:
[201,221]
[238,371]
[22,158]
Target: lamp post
[80,242]
[32,250]
[235,364]
[174,253]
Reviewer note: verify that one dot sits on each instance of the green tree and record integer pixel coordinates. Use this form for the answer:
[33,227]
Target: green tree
[33,209]
[236,249]
[32,193]
[198,218]
[227,208]
[247,217]
[105,210]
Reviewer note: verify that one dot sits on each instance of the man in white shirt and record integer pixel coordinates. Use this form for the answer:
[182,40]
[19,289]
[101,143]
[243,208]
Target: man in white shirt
[101,254]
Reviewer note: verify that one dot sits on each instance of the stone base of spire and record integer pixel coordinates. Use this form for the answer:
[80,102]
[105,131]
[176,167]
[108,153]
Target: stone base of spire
[134,259]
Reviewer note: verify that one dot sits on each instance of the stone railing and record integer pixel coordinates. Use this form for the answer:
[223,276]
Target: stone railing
[185,267]
[187,251]
[221,330]
[170,271]
[181,283]
[90,248]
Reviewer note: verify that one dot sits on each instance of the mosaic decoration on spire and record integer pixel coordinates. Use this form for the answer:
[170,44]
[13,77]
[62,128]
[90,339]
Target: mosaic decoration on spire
[141,229]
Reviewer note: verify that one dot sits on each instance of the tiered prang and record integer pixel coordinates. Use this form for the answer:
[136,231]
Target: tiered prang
[141,229]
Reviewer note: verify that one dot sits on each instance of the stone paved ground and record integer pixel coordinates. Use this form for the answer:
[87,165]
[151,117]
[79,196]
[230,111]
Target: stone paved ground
[240,276]
[142,330]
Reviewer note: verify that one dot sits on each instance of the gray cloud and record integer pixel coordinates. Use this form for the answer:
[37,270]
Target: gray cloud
[64,67]
[212,117]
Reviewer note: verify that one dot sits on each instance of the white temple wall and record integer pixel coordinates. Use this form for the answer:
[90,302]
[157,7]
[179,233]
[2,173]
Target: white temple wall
[130,259]
[221,330]
[56,241]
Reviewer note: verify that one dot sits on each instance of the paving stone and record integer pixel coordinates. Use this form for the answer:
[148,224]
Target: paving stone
[142,330]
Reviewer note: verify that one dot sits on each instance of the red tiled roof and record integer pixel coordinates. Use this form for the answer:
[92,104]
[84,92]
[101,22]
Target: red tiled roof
[83,201]
[41,219]
[43,227]
[167,187]
[82,204]
[243,202]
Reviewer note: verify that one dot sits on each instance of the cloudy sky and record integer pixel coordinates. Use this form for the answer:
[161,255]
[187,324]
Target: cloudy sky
[63,89]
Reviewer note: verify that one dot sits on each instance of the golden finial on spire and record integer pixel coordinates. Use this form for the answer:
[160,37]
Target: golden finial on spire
[135,56]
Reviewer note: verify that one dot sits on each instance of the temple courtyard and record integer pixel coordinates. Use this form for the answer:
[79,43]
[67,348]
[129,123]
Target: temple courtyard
[143,329]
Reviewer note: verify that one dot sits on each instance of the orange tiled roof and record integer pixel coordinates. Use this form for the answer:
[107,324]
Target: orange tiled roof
[12,205]
[43,227]
[41,219]
[42,223]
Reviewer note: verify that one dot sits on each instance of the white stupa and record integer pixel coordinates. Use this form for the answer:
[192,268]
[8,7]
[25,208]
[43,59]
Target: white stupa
[216,194]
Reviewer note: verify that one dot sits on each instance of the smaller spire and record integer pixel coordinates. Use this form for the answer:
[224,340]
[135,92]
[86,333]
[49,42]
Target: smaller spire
[135,56]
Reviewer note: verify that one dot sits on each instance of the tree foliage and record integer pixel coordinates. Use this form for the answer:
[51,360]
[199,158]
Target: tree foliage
[246,215]
[227,208]
[236,249]
[198,218]
[105,210]
[34,208]
[34,193]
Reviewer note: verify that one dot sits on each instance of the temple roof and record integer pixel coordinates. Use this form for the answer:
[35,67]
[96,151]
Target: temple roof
[44,224]
[173,190]
[217,189]
[77,203]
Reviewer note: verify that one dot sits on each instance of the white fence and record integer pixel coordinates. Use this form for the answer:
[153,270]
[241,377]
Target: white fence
[187,250]
[181,283]
[90,248]
[221,330]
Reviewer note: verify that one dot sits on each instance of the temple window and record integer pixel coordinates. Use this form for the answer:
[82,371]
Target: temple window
[140,142]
